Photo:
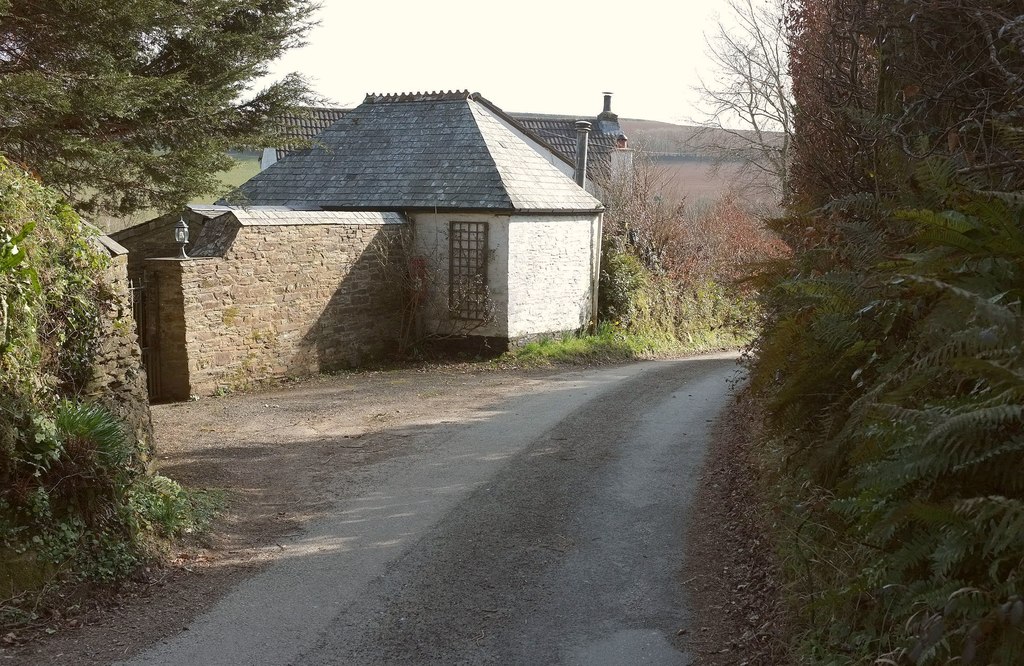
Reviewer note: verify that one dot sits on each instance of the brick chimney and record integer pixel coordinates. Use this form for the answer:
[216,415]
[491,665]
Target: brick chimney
[621,160]
[606,113]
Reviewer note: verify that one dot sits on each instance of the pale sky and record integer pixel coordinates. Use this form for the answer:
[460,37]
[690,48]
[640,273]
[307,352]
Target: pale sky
[543,56]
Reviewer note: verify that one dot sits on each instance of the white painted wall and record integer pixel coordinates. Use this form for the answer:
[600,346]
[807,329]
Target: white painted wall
[551,261]
[430,241]
[539,272]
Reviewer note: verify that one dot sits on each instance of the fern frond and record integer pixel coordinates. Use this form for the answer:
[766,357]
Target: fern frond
[972,423]
[936,176]
[988,369]
[987,306]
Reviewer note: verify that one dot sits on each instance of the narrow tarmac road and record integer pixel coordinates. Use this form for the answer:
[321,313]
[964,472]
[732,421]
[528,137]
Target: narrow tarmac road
[549,531]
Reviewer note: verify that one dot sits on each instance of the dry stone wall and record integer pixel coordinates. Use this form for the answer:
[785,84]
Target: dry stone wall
[118,379]
[290,301]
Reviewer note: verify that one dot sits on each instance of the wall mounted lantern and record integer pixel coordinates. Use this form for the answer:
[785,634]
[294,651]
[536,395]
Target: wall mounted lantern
[181,236]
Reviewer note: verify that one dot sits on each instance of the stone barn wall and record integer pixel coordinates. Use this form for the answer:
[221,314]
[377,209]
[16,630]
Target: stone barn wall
[280,300]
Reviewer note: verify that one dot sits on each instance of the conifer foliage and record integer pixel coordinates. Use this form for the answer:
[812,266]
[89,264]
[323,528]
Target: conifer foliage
[129,105]
[893,360]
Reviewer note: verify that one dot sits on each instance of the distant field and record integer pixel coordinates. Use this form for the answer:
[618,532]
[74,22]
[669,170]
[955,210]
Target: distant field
[692,180]
[245,168]
[659,137]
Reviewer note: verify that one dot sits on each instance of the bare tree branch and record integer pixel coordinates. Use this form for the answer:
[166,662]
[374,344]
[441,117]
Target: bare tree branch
[749,108]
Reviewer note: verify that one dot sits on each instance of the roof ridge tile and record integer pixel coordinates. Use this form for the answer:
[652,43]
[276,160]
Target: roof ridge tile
[431,96]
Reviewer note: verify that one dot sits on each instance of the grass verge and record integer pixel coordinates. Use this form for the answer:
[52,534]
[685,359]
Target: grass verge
[611,344]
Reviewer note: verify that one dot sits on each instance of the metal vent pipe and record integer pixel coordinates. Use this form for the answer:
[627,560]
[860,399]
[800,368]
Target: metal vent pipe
[582,143]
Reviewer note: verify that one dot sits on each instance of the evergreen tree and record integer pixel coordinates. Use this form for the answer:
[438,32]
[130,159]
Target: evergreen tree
[129,105]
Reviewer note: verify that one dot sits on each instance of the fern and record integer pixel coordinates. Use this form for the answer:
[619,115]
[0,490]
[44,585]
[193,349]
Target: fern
[900,389]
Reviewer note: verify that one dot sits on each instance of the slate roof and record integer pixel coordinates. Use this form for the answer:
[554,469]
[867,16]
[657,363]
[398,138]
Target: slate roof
[306,124]
[559,132]
[426,151]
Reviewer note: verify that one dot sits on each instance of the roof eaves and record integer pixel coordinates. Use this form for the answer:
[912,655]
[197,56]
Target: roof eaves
[559,211]
[111,246]
[412,210]
[316,218]
[205,211]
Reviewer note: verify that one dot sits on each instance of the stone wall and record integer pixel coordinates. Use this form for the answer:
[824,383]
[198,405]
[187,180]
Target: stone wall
[118,381]
[285,300]
[550,264]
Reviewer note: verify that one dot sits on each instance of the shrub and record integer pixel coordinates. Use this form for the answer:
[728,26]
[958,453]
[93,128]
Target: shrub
[892,362]
[623,284]
[70,473]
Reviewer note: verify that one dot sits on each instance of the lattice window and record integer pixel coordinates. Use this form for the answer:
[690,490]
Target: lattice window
[467,270]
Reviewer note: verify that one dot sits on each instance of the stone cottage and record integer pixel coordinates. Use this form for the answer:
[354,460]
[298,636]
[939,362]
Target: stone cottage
[413,214]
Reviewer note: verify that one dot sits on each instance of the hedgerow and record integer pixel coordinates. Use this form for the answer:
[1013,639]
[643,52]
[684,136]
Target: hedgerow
[76,501]
[892,363]
[671,270]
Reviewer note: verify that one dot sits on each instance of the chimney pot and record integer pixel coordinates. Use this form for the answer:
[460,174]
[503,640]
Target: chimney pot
[607,102]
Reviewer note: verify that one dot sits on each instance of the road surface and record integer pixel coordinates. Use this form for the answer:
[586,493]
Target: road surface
[549,529]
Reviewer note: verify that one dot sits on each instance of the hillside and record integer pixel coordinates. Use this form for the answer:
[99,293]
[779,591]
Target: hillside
[655,136]
[690,140]
[683,157]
